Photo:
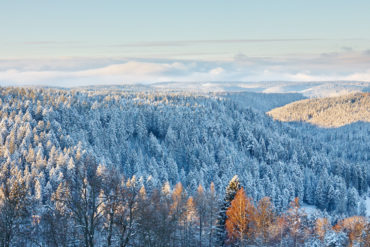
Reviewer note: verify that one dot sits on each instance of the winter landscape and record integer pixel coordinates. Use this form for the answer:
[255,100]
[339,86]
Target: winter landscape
[171,124]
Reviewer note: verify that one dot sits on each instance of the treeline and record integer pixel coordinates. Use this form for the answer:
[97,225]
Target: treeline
[96,206]
[247,224]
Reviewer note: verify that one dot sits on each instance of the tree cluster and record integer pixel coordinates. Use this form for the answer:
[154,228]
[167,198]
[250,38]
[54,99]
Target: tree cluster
[97,206]
[259,224]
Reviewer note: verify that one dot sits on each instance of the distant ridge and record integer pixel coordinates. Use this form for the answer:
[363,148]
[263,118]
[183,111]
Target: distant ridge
[326,112]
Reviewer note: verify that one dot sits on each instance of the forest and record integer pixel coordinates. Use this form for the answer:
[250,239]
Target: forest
[112,167]
[327,112]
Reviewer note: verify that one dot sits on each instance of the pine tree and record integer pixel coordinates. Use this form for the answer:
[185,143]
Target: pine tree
[231,190]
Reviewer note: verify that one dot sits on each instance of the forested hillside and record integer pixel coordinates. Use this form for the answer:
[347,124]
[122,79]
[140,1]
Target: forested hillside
[162,150]
[262,101]
[327,112]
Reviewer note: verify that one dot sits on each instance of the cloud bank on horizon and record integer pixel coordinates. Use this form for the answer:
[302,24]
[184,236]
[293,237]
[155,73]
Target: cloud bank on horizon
[346,65]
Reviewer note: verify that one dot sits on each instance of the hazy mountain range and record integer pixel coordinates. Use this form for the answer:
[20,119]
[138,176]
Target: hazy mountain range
[308,89]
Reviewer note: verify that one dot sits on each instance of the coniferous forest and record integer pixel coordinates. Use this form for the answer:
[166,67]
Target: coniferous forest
[113,167]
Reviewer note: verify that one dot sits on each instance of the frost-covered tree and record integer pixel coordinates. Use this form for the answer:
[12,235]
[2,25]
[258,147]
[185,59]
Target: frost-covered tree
[231,190]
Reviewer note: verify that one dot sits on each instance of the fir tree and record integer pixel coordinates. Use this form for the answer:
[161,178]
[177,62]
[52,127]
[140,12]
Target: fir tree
[231,190]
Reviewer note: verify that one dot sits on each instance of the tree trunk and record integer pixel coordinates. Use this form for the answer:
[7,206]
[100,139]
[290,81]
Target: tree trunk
[200,231]
[110,229]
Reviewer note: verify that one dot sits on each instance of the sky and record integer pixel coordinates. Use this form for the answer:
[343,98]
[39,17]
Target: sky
[67,43]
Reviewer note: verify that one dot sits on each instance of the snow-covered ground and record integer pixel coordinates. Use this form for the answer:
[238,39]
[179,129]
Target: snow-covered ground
[367,206]
[309,209]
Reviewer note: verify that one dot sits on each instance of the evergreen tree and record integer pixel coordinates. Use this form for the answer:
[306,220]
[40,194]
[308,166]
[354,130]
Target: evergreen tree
[231,190]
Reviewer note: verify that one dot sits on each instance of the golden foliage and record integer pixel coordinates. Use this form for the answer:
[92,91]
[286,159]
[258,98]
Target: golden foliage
[240,217]
[265,218]
[354,227]
[321,227]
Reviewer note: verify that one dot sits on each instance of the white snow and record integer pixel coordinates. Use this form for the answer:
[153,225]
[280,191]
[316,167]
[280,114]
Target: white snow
[309,209]
[367,203]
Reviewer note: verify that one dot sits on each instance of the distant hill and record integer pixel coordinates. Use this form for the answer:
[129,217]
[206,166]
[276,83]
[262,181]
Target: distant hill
[327,112]
[262,101]
[307,89]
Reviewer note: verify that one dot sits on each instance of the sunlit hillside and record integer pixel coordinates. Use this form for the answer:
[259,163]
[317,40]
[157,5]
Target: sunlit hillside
[327,112]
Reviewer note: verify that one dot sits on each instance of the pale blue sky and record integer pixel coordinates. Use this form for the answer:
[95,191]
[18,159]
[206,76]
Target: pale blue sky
[213,34]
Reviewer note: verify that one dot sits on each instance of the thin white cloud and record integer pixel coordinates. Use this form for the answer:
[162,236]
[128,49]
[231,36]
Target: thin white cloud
[208,42]
[132,68]
[216,71]
[345,65]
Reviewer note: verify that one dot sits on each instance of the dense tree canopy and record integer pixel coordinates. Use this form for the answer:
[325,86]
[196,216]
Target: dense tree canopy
[89,158]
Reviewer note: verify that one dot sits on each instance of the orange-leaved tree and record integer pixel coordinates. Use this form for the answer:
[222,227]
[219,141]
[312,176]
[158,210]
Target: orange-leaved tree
[354,227]
[295,216]
[265,218]
[321,227]
[240,218]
